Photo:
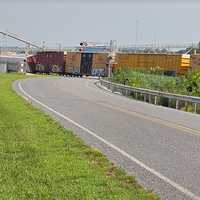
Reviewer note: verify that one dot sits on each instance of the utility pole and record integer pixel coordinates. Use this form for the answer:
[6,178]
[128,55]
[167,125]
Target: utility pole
[5,43]
[25,64]
[109,66]
[111,56]
[136,32]
[43,45]
[59,46]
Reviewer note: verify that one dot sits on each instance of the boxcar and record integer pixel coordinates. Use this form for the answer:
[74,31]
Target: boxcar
[72,63]
[100,64]
[195,62]
[46,62]
[96,64]
[89,64]
[174,63]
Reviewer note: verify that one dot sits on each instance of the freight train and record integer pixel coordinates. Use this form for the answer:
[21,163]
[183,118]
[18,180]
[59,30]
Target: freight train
[96,64]
[69,63]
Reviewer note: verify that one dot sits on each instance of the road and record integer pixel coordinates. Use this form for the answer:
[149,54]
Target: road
[159,146]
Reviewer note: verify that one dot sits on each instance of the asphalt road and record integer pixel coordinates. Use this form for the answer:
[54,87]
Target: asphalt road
[160,146]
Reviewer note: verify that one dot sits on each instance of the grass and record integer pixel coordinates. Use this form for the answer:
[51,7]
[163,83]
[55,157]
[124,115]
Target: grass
[186,85]
[41,160]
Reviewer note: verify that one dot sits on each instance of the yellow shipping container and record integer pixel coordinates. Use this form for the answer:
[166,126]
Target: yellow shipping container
[167,62]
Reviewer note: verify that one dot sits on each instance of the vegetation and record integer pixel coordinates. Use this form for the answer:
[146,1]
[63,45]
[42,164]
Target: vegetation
[41,160]
[155,80]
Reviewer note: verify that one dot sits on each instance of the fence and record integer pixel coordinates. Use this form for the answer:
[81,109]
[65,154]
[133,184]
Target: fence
[153,96]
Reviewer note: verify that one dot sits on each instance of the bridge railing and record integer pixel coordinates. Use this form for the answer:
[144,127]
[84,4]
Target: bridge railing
[152,96]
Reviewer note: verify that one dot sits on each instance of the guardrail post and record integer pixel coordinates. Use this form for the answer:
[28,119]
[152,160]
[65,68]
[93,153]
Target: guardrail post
[195,107]
[109,86]
[177,104]
[154,96]
[186,106]
[120,90]
[149,98]
[155,100]
[145,97]
[169,102]
[126,92]
[112,88]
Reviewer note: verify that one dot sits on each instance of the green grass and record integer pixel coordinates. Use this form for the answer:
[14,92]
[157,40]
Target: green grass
[186,85]
[41,160]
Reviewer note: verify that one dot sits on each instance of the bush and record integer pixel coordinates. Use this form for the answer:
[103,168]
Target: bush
[154,79]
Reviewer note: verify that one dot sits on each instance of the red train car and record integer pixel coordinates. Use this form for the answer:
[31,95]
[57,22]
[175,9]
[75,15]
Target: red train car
[46,62]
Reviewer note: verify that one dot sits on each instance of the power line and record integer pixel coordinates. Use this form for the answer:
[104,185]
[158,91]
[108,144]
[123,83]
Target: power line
[20,39]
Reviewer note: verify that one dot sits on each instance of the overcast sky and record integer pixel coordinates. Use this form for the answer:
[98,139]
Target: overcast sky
[71,21]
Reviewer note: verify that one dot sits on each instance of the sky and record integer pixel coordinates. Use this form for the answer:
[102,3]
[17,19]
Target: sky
[128,21]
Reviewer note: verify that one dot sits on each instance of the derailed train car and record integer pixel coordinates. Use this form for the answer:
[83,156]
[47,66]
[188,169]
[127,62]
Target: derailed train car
[69,63]
[169,63]
[195,62]
[79,63]
[72,63]
[96,64]
[47,62]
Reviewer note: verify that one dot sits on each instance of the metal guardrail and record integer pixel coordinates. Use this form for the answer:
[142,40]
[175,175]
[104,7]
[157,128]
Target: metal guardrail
[151,96]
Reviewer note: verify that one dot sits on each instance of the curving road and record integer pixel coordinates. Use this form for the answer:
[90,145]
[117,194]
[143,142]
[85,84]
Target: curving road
[160,146]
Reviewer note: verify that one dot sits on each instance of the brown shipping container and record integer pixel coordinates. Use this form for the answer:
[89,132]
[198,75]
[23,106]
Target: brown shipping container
[72,62]
[99,60]
[99,64]
[48,61]
[195,62]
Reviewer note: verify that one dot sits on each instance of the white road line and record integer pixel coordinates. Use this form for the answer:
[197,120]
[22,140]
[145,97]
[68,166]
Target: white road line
[122,152]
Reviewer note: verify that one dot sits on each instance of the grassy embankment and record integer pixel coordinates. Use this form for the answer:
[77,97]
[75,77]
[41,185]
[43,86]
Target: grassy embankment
[41,160]
[155,80]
